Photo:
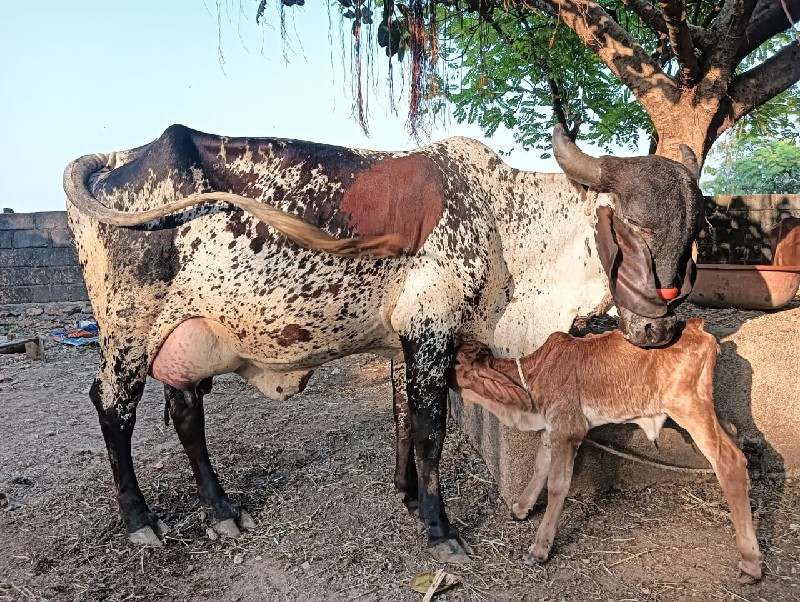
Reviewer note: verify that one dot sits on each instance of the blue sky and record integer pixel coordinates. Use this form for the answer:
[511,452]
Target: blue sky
[96,76]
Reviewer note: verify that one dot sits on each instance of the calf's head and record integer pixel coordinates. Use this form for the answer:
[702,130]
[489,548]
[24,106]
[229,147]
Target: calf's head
[645,242]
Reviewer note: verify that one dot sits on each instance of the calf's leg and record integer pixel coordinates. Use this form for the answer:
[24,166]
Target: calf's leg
[190,422]
[405,473]
[527,500]
[730,466]
[564,448]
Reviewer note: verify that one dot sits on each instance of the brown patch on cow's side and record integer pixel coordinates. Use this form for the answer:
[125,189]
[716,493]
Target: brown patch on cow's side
[403,196]
[291,334]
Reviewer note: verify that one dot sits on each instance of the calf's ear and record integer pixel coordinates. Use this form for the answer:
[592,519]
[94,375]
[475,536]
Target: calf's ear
[628,264]
[474,371]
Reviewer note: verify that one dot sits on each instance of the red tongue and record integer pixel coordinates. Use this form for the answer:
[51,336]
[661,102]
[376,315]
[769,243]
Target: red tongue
[668,294]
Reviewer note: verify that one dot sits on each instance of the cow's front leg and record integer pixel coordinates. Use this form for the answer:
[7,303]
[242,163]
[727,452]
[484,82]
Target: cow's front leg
[428,361]
[405,472]
[188,415]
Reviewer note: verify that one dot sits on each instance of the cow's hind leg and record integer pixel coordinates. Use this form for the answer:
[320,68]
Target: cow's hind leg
[188,416]
[428,361]
[405,473]
[115,398]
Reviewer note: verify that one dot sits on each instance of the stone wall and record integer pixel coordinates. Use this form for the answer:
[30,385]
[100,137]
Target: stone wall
[37,261]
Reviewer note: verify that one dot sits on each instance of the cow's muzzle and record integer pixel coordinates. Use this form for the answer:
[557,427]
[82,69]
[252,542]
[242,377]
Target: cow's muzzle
[647,332]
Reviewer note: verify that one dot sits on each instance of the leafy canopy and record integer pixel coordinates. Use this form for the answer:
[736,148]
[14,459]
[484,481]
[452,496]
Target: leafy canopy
[748,166]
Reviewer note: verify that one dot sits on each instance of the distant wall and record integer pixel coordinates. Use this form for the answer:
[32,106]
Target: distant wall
[39,265]
[37,261]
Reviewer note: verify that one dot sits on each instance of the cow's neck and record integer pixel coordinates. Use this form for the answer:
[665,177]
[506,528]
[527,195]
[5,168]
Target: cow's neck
[547,237]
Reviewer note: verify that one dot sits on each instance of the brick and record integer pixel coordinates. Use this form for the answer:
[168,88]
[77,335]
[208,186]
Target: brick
[66,275]
[24,239]
[44,293]
[61,237]
[25,294]
[17,221]
[11,258]
[23,276]
[6,237]
[49,220]
[69,292]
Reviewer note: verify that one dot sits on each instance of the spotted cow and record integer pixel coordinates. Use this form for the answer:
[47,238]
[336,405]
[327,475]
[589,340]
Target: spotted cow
[265,257]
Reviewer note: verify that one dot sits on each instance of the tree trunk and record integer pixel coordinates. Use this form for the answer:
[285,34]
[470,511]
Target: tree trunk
[688,121]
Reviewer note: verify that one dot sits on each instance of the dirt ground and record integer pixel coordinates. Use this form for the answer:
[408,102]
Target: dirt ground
[316,474]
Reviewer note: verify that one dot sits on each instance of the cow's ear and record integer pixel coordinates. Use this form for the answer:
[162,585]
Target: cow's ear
[687,277]
[607,247]
[628,264]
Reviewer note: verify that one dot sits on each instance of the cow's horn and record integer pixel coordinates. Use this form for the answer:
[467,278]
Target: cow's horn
[689,160]
[576,164]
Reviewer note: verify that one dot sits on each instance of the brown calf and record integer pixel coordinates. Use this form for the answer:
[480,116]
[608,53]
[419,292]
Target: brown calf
[570,385]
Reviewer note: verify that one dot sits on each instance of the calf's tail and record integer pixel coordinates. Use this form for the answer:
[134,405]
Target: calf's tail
[76,185]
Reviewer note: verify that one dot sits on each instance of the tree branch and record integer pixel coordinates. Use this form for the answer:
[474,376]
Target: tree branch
[728,29]
[713,14]
[769,18]
[753,88]
[649,14]
[620,52]
[681,40]
[558,107]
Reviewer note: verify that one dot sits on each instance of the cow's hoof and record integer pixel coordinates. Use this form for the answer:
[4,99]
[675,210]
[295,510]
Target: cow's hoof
[450,550]
[246,521]
[227,528]
[162,528]
[146,536]
[411,503]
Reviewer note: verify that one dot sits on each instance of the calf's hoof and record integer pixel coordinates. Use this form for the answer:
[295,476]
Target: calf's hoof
[450,551]
[150,536]
[749,572]
[519,512]
[534,559]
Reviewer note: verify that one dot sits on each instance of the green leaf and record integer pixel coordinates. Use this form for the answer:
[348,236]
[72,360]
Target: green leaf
[422,583]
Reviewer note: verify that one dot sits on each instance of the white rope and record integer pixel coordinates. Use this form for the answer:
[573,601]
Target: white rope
[521,377]
[633,458]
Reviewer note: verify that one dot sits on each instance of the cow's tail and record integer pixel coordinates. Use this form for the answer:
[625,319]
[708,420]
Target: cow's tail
[76,185]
